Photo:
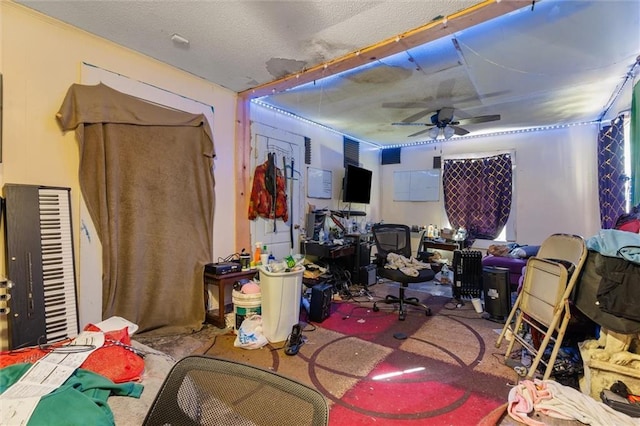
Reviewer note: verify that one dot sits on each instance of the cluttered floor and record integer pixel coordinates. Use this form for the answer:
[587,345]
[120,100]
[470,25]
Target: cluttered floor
[161,353]
[203,341]
[180,345]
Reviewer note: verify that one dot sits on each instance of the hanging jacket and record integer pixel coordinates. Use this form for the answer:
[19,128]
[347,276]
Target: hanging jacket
[261,201]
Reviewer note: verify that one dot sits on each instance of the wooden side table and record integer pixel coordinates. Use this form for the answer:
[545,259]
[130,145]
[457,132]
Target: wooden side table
[216,316]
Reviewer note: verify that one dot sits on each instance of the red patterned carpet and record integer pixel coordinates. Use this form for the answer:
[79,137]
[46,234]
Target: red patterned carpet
[446,371]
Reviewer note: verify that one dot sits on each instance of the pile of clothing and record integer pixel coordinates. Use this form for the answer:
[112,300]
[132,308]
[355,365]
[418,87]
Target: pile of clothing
[407,266]
[562,402]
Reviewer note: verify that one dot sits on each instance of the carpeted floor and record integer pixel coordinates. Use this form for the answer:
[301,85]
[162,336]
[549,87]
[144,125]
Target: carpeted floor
[444,369]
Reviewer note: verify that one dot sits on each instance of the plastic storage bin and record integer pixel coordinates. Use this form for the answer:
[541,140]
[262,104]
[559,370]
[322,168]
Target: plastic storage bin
[281,298]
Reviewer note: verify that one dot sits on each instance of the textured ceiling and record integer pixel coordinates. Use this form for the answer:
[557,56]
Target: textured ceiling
[240,44]
[550,63]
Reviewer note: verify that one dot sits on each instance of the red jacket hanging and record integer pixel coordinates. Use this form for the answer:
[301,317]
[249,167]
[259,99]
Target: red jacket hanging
[260,203]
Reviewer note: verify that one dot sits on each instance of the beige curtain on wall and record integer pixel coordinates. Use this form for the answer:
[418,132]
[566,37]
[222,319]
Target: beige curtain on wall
[147,179]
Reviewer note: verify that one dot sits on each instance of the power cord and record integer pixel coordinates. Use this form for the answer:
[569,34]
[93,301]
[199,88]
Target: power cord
[231,257]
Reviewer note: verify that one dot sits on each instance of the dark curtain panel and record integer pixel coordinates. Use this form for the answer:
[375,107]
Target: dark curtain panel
[635,145]
[477,194]
[146,176]
[611,177]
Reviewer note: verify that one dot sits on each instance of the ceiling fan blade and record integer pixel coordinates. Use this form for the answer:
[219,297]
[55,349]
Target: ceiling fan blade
[480,119]
[417,116]
[402,123]
[459,130]
[418,133]
[404,104]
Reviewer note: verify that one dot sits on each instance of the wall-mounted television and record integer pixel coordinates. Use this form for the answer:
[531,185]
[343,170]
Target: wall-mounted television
[357,185]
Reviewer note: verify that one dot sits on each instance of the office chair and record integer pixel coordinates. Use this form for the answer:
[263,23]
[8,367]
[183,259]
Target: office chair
[543,301]
[390,238]
[203,390]
[420,254]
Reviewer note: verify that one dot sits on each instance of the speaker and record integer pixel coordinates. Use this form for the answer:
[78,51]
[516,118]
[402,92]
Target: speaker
[320,305]
[313,226]
[367,275]
[497,293]
[437,162]
[364,254]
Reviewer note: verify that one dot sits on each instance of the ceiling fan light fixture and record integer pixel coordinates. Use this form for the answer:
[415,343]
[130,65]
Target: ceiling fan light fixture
[433,133]
[448,132]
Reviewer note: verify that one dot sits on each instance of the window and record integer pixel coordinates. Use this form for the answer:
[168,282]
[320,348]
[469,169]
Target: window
[474,180]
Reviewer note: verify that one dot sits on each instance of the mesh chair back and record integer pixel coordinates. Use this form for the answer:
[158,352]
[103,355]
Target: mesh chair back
[202,390]
[392,238]
[420,240]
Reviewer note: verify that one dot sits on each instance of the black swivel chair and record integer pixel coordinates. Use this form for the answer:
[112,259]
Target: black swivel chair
[391,238]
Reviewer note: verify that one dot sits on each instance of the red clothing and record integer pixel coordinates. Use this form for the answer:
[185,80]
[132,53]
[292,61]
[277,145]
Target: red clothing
[260,203]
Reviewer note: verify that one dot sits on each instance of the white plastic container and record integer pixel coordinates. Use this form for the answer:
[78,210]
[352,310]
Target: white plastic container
[281,298]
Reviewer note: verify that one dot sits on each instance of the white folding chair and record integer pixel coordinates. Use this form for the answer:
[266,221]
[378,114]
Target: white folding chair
[543,302]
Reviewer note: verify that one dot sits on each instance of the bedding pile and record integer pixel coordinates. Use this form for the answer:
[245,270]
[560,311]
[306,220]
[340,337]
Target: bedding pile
[407,266]
[562,402]
[96,378]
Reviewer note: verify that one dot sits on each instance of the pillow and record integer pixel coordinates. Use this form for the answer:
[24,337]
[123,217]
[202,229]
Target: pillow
[498,250]
[524,252]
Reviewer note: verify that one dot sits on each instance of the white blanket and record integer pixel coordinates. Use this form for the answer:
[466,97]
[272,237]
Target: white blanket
[563,402]
[407,266]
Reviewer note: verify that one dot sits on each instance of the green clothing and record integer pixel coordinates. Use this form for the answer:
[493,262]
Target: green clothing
[81,400]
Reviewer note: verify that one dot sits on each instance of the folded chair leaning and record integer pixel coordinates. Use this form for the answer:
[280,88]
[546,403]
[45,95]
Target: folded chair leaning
[543,302]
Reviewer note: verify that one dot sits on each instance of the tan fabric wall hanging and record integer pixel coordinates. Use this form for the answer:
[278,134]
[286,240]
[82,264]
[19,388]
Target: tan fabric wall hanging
[147,179]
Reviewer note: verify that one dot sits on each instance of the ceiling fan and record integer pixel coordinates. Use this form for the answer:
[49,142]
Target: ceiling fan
[443,120]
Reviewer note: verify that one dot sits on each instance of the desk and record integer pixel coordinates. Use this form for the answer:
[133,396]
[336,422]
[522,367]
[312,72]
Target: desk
[222,281]
[326,251]
[440,245]
[355,256]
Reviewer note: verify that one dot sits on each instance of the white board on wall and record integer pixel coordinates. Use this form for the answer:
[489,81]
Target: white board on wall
[416,185]
[319,183]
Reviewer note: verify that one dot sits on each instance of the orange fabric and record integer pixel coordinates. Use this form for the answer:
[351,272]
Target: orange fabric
[18,356]
[114,362]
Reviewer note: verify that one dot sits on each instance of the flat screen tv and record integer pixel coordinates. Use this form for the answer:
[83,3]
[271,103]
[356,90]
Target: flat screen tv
[357,185]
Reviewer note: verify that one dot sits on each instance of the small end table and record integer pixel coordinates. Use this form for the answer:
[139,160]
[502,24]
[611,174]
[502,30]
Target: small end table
[216,316]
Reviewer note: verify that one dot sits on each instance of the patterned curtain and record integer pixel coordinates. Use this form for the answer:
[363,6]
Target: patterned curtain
[611,177]
[635,145]
[477,194]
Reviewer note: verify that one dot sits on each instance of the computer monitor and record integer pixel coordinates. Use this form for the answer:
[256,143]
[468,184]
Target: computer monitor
[357,185]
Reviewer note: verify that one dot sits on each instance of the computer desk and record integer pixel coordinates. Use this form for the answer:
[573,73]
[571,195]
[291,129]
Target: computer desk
[325,250]
[354,255]
[440,245]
